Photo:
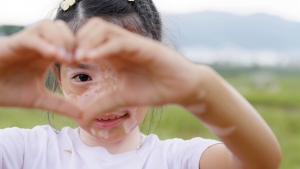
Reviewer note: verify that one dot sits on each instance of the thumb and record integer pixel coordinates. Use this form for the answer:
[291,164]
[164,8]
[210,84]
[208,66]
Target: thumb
[58,104]
[106,102]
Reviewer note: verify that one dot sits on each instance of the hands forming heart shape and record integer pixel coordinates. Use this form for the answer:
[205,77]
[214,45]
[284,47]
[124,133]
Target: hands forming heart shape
[149,73]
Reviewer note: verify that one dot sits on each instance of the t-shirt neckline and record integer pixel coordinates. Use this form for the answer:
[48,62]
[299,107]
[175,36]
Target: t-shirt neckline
[101,150]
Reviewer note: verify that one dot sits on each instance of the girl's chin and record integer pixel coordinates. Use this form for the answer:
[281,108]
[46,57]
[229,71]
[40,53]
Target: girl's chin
[108,140]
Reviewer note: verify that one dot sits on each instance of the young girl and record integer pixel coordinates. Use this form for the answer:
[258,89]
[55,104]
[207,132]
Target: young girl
[110,65]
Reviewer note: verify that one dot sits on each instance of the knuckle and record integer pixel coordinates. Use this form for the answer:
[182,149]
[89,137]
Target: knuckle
[95,20]
[79,35]
[39,26]
[104,30]
[61,24]
[44,23]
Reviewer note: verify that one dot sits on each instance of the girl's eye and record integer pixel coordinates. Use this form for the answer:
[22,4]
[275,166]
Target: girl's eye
[82,78]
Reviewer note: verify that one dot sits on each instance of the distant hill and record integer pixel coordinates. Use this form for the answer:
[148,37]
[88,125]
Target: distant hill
[217,38]
[6,30]
[217,29]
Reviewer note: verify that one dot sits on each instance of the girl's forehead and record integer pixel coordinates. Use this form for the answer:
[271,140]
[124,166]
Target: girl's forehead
[88,66]
[85,66]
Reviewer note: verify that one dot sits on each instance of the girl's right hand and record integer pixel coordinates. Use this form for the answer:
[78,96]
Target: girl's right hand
[24,59]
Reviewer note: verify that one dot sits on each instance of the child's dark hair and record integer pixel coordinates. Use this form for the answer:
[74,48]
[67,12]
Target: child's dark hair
[140,16]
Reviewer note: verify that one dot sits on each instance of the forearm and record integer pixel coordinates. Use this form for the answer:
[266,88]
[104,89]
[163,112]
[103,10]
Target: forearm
[227,114]
[2,44]
[4,52]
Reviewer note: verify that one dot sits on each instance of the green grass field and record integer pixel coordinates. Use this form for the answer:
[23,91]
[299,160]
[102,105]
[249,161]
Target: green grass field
[277,99]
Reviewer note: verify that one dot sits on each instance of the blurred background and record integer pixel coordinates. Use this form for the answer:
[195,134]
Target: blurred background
[253,44]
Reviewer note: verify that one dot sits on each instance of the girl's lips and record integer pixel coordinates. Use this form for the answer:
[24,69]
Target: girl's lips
[110,121]
[111,116]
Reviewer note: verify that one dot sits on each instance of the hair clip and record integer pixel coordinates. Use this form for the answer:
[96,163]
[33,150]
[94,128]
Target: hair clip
[66,4]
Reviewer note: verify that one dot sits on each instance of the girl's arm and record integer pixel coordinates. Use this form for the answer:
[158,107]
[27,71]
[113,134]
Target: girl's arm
[250,143]
[152,74]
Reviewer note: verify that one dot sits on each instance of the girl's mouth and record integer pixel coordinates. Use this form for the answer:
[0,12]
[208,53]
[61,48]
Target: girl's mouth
[111,117]
[110,120]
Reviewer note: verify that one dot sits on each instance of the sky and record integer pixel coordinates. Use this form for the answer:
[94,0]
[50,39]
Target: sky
[24,12]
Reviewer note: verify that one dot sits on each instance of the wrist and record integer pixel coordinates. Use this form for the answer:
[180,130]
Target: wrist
[196,101]
[3,45]
[2,50]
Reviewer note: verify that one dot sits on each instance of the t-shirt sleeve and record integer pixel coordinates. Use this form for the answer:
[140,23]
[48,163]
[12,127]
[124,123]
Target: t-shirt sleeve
[1,158]
[11,148]
[187,153]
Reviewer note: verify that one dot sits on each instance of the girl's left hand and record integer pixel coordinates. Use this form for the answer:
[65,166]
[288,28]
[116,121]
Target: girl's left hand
[149,74]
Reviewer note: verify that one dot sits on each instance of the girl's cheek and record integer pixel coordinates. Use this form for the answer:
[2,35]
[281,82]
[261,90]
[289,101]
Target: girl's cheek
[82,100]
[89,91]
[129,124]
[71,97]
[137,116]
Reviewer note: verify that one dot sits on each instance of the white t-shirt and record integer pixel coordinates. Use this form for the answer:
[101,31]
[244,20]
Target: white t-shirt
[42,147]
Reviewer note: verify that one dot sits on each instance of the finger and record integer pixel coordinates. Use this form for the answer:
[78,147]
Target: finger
[40,46]
[57,104]
[89,27]
[43,33]
[93,34]
[109,49]
[118,49]
[67,38]
[44,49]
[106,102]
[49,31]
[53,35]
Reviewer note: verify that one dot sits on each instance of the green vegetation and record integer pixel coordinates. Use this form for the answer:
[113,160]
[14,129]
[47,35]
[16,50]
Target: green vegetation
[276,96]
[10,29]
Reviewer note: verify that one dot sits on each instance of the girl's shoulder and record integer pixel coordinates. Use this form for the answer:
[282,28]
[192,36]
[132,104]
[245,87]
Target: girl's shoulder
[37,129]
[44,132]
[24,131]
[156,141]
[175,151]
[177,145]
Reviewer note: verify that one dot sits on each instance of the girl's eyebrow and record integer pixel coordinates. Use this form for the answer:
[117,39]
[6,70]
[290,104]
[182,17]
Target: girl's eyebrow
[83,66]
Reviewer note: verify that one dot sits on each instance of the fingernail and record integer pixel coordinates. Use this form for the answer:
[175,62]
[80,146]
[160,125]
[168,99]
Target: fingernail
[91,54]
[70,57]
[79,53]
[62,53]
[51,48]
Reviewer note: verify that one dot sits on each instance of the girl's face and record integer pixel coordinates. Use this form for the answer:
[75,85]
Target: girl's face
[82,84]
